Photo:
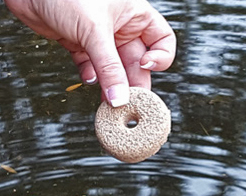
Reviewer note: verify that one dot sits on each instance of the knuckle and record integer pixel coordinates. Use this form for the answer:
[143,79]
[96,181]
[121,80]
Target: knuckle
[110,67]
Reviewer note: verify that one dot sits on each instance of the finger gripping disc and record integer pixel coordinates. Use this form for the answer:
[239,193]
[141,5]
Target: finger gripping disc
[134,143]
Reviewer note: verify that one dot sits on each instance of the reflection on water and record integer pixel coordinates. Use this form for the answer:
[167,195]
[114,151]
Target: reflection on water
[47,135]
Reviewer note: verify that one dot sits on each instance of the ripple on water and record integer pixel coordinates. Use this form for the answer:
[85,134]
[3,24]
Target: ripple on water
[47,135]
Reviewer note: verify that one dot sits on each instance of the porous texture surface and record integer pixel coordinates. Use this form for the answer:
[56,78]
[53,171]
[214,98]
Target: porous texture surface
[146,138]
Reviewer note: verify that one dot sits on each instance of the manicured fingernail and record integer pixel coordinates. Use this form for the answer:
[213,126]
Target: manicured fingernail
[118,95]
[92,80]
[148,65]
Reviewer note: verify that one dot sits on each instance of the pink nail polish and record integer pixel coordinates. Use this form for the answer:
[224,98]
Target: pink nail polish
[92,80]
[118,95]
[148,65]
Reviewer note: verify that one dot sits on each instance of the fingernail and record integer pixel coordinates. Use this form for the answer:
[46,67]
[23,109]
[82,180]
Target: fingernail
[92,80]
[148,65]
[118,95]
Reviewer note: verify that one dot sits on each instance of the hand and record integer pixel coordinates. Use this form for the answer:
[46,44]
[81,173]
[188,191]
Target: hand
[107,39]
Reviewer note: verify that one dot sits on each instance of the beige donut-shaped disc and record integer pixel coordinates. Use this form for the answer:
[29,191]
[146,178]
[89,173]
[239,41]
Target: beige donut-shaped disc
[153,123]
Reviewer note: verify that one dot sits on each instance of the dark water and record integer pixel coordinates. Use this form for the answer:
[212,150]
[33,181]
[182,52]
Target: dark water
[47,135]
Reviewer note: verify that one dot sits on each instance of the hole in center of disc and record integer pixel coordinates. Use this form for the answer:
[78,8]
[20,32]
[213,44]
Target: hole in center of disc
[131,124]
[131,121]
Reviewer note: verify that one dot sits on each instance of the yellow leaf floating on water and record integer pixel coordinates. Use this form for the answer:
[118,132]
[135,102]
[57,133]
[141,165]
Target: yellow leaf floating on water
[73,87]
[8,169]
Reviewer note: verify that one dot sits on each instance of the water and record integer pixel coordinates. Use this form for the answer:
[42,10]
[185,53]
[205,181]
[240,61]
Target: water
[47,135]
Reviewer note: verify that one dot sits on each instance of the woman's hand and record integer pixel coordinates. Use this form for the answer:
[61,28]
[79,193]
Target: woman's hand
[107,39]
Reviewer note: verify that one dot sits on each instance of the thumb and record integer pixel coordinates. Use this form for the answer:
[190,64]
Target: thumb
[108,66]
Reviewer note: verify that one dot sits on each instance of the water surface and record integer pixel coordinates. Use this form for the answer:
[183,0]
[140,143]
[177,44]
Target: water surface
[47,135]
